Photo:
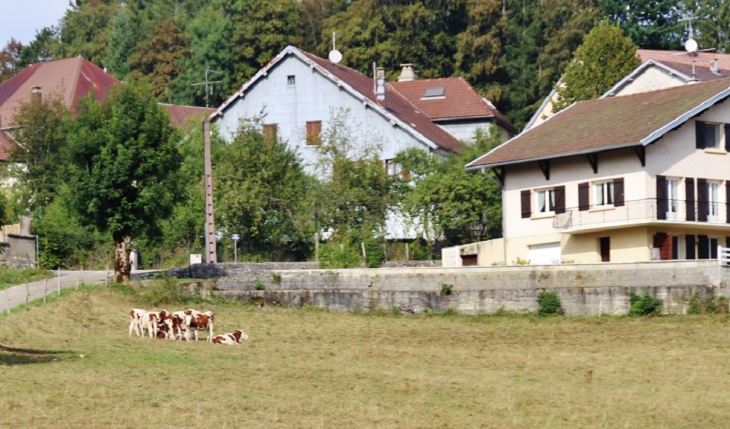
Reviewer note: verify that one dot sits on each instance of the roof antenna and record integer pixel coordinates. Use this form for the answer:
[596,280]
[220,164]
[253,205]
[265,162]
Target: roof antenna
[691,45]
[208,83]
[335,56]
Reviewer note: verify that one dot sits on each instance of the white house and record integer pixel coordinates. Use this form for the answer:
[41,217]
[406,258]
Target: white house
[620,179]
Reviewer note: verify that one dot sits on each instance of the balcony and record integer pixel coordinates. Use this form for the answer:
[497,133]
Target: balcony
[643,212]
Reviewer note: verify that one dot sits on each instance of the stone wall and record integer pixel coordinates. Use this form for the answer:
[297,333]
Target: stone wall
[583,289]
[18,251]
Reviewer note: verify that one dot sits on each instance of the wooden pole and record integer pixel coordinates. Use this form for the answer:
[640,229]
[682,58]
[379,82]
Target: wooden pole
[362,246]
[106,283]
[407,252]
[58,284]
[27,296]
[7,302]
[316,247]
[78,280]
[45,290]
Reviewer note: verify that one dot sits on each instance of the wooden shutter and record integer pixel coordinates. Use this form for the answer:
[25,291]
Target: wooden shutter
[583,199]
[661,197]
[727,241]
[703,247]
[700,132]
[314,129]
[618,192]
[727,200]
[703,205]
[270,132]
[559,199]
[526,210]
[690,239]
[663,242]
[727,137]
[690,193]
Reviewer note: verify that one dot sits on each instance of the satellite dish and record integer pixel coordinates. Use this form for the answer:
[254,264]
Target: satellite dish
[335,56]
[690,45]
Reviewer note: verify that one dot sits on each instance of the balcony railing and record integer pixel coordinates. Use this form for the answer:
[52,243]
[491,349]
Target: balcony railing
[641,211]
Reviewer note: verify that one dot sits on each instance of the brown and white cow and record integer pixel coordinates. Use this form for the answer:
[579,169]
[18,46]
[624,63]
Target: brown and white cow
[149,322]
[134,321]
[178,325]
[201,322]
[233,339]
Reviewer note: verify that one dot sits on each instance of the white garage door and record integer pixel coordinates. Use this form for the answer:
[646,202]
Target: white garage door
[544,254]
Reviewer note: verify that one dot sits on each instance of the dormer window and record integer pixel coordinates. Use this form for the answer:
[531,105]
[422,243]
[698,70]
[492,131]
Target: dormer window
[434,92]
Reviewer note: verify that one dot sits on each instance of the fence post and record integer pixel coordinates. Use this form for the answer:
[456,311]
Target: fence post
[106,279]
[27,296]
[45,290]
[78,280]
[7,302]
[58,285]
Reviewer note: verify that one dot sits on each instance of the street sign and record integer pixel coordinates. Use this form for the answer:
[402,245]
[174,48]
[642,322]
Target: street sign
[235,236]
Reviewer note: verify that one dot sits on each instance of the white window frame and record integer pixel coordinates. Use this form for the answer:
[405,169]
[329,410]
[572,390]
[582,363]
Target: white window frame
[713,202]
[603,194]
[673,197]
[545,201]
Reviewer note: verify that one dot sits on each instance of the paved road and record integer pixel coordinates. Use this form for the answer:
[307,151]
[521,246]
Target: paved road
[16,295]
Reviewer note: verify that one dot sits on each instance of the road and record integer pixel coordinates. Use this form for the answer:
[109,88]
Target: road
[16,295]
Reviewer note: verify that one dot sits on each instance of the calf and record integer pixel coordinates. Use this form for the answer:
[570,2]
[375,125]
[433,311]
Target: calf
[201,322]
[233,339]
[149,322]
[178,324]
[134,321]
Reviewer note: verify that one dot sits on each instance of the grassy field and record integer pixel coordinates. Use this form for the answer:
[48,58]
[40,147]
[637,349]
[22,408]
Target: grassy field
[14,276]
[70,364]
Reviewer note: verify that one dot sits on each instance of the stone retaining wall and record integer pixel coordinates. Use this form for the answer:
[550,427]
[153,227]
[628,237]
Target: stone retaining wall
[583,289]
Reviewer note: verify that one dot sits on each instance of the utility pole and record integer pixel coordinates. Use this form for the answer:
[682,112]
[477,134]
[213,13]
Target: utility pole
[211,256]
[207,83]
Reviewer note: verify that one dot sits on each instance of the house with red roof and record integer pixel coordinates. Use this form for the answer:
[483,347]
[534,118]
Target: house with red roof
[658,70]
[633,178]
[299,93]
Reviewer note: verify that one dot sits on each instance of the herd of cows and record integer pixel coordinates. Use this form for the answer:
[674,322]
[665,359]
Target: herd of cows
[179,325]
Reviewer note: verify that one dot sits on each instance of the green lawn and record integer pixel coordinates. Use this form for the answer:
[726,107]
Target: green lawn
[15,276]
[71,364]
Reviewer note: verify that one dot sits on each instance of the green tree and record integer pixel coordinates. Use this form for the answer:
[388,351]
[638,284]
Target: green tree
[650,24]
[9,57]
[40,159]
[261,191]
[124,166]
[85,29]
[604,58]
[43,48]
[712,24]
[122,41]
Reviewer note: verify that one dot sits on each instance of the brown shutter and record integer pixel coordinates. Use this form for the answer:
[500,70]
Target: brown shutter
[526,210]
[559,199]
[689,184]
[690,239]
[661,197]
[583,200]
[663,242]
[703,205]
[700,131]
[727,137]
[703,247]
[727,200]
[618,192]
[314,129]
[727,241]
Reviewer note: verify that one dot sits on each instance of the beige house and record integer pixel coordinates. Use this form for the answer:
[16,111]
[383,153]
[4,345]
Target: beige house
[620,179]
[658,70]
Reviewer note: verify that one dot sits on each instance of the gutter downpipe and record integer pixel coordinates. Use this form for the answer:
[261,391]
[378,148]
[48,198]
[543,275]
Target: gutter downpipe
[210,236]
[504,236]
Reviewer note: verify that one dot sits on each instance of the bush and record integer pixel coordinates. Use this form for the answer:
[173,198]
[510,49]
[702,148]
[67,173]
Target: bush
[446,288]
[259,286]
[707,305]
[549,303]
[644,304]
[333,255]
[163,291]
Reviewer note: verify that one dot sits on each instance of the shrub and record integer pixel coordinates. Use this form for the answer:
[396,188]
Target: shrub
[163,291]
[259,286]
[644,304]
[276,278]
[446,288]
[549,304]
[707,305]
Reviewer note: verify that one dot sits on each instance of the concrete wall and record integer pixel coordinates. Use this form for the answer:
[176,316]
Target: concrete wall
[583,289]
[18,251]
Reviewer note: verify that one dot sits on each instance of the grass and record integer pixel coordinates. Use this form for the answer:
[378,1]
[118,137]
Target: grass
[15,276]
[70,364]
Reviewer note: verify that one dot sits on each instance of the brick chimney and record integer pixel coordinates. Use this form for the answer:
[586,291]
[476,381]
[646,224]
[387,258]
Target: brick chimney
[36,95]
[407,74]
[380,85]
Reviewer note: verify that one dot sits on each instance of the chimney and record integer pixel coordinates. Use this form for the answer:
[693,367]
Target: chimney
[36,95]
[715,68]
[380,85]
[407,74]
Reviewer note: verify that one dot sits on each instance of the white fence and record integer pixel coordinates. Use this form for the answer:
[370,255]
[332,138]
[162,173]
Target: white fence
[723,255]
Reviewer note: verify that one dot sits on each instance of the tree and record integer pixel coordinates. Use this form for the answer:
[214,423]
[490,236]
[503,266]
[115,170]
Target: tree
[651,24]
[121,43]
[43,48]
[261,191]
[85,29]
[9,57]
[604,58]
[40,159]
[712,24]
[123,168]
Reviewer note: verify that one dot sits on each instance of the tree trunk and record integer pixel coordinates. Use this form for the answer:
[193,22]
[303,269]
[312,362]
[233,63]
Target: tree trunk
[122,263]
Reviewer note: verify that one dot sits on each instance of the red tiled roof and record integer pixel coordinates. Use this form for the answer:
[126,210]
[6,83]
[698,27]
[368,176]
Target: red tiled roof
[395,103]
[70,78]
[703,74]
[186,116]
[7,145]
[701,59]
[460,100]
[607,123]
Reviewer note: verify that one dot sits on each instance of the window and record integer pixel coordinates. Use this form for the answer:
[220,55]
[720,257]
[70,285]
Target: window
[603,194]
[394,169]
[291,80]
[709,135]
[545,199]
[434,92]
[314,129]
[270,132]
[712,200]
[672,197]
[712,136]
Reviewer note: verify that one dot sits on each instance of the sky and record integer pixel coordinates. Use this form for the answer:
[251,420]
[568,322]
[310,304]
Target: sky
[21,19]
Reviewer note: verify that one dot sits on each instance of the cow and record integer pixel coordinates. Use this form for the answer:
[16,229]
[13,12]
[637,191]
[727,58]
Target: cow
[178,324]
[201,322]
[149,322]
[134,321]
[233,339]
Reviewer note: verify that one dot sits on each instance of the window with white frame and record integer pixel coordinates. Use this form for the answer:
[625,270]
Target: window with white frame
[545,200]
[713,190]
[672,196]
[603,194]
[713,135]
[392,167]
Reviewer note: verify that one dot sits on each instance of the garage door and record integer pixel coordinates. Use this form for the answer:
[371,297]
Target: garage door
[544,254]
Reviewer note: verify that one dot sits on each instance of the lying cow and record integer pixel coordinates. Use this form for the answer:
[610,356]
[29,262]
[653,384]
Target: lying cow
[233,339]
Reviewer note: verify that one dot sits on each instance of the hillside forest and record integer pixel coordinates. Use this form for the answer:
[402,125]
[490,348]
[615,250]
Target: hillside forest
[512,52]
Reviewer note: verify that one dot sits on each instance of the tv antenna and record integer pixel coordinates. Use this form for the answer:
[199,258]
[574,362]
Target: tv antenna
[208,83]
[691,45]
[335,56]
